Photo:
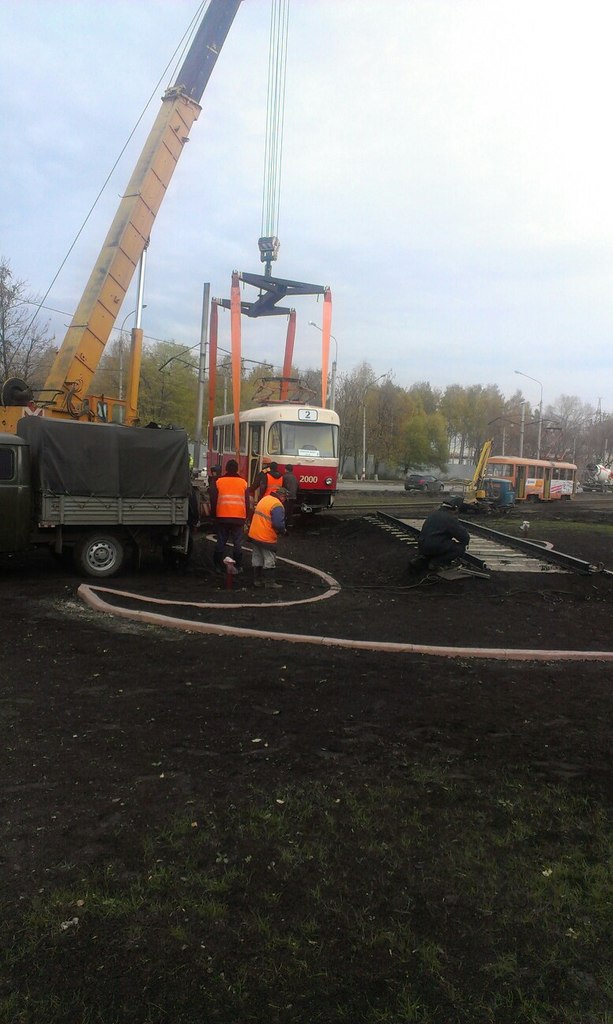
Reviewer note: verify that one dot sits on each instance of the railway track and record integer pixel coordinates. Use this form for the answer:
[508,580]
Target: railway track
[361,504]
[493,550]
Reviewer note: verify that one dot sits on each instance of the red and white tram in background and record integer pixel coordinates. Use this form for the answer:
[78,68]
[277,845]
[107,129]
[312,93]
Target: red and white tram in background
[305,437]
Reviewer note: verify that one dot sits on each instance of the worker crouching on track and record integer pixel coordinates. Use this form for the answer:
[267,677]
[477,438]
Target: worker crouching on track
[443,540]
[267,523]
[229,506]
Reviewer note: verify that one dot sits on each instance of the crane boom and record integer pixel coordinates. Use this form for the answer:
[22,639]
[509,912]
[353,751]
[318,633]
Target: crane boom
[475,490]
[78,358]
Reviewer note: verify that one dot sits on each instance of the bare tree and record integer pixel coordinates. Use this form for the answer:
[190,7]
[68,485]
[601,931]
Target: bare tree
[24,346]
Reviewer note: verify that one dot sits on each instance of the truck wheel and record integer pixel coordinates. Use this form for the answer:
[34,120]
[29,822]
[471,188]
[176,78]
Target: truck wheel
[99,555]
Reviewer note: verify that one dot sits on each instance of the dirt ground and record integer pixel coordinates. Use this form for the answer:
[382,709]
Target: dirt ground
[111,726]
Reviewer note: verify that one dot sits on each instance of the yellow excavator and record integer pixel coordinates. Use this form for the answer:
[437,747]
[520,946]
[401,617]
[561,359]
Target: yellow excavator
[66,390]
[484,496]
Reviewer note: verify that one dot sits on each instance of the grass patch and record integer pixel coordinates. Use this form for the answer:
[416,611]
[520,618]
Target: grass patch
[427,899]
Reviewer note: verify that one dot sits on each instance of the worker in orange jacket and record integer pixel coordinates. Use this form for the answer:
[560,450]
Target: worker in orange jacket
[268,480]
[229,496]
[267,524]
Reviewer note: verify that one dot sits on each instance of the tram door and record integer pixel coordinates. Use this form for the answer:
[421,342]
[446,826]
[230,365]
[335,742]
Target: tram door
[254,450]
[520,483]
[547,471]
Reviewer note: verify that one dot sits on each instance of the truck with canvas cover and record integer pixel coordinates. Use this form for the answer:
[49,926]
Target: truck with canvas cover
[95,491]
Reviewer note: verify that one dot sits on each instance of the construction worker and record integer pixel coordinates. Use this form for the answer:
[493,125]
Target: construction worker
[267,523]
[229,507]
[270,478]
[442,540]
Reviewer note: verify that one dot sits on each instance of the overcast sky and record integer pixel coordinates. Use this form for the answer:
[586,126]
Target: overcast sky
[447,170]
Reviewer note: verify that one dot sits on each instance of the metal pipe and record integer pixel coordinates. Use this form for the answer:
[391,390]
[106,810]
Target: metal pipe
[204,336]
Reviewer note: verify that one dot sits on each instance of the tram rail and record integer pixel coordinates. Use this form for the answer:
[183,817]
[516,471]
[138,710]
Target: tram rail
[500,544]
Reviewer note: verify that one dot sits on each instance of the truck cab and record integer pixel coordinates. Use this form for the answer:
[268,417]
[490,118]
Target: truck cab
[15,494]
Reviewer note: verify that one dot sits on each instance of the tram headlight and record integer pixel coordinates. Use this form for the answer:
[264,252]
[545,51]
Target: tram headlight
[328,481]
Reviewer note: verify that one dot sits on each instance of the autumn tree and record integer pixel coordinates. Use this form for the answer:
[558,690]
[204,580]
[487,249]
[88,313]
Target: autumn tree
[25,350]
[168,386]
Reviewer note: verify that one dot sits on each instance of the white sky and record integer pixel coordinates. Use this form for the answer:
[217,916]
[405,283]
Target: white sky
[448,171]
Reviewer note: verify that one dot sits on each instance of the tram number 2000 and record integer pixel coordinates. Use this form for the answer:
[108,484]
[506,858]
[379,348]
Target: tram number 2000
[308,479]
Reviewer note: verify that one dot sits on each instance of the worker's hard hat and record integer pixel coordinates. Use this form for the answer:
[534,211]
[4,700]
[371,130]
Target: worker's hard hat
[280,492]
[454,501]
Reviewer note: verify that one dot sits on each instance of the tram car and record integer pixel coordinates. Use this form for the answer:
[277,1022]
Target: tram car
[305,437]
[533,479]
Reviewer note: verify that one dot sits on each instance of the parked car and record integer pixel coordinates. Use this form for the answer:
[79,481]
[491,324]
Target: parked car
[423,482]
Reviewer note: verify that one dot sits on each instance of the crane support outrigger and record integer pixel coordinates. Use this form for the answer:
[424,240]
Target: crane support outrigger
[65,393]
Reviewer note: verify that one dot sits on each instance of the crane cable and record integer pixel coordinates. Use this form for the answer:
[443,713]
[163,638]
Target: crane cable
[275,111]
[179,50]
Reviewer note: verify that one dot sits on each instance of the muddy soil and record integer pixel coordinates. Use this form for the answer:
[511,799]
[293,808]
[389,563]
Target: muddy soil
[111,726]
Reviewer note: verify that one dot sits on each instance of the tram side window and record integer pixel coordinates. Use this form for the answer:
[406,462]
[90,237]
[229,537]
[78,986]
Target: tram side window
[501,469]
[7,464]
[256,439]
[274,439]
[557,473]
[228,437]
[534,472]
[243,438]
[217,438]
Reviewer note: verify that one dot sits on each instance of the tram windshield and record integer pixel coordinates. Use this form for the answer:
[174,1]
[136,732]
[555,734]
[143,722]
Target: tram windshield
[313,440]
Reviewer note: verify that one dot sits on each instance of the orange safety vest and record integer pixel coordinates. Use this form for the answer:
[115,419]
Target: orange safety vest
[231,503]
[273,483]
[261,528]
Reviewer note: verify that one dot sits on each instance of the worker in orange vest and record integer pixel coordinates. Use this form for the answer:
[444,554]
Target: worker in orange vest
[267,524]
[270,478]
[229,507]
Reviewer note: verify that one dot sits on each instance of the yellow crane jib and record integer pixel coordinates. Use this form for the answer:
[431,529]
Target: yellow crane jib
[66,388]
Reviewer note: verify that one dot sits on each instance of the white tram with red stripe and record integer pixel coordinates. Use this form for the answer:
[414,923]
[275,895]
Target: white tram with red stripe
[303,436]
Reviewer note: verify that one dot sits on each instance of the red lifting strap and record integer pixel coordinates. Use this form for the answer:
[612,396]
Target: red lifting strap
[289,354]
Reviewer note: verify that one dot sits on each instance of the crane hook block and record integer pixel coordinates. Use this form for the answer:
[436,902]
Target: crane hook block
[269,248]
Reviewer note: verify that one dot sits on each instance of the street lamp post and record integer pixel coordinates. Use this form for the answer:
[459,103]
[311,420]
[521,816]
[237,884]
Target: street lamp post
[366,390]
[521,430]
[334,362]
[538,443]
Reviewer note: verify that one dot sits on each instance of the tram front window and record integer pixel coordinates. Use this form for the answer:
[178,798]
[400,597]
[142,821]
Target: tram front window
[317,440]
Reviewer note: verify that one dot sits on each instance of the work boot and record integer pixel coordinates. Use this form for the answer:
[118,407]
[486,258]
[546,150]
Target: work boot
[270,582]
[218,566]
[257,576]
